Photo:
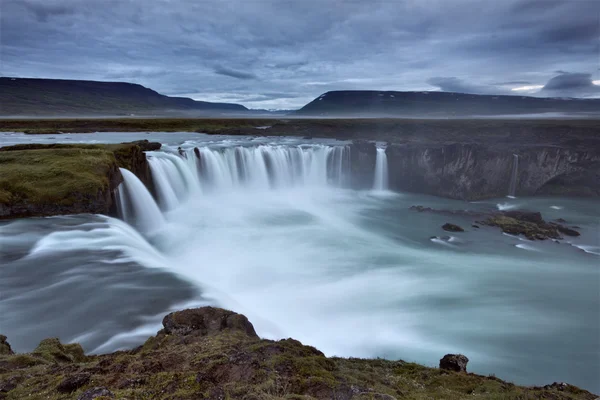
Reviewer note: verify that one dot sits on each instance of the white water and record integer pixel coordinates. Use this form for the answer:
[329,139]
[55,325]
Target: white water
[140,209]
[380,181]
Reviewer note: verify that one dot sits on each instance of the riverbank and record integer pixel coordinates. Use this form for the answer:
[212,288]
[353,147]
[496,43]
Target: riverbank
[212,353]
[578,133]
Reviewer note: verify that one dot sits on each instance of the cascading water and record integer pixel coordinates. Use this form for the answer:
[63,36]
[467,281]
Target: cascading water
[513,179]
[380,182]
[261,167]
[136,204]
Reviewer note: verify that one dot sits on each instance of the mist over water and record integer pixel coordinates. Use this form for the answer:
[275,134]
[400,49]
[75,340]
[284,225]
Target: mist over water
[271,228]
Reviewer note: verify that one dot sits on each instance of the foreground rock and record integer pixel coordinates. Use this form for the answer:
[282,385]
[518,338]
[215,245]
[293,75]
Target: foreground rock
[56,179]
[454,362]
[211,353]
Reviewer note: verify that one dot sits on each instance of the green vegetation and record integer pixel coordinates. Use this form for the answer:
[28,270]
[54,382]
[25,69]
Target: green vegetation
[37,180]
[214,361]
[59,175]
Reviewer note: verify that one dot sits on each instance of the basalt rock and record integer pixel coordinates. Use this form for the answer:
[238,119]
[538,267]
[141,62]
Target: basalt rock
[146,145]
[206,321]
[96,392]
[454,362]
[452,228]
[73,382]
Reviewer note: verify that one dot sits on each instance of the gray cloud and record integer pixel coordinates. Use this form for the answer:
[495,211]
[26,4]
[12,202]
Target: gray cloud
[454,84]
[252,51]
[571,85]
[234,73]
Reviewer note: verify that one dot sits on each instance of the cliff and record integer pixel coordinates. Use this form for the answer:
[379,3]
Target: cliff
[210,353]
[43,180]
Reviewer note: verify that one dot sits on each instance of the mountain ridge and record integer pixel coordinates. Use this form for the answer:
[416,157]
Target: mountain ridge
[37,96]
[376,103]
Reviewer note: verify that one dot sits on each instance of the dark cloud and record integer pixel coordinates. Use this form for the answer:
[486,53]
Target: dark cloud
[234,73]
[571,85]
[250,51]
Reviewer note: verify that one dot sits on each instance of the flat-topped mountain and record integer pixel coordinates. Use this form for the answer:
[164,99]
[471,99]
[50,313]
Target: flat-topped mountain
[55,97]
[371,103]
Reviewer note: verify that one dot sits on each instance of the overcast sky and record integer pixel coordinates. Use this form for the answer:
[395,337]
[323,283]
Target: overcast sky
[283,54]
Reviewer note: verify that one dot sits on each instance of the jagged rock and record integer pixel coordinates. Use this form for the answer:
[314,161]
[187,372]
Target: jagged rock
[206,321]
[452,228]
[53,350]
[454,362]
[5,346]
[567,231]
[95,393]
[531,230]
[197,152]
[73,382]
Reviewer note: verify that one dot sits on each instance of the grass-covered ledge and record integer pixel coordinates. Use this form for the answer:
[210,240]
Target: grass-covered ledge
[54,179]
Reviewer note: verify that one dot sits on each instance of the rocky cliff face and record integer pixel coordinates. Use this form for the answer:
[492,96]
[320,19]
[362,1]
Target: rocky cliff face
[475,171]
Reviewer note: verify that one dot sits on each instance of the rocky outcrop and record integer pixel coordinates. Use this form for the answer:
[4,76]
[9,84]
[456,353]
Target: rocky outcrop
[206,321]
[454,362]
[476,171]
[211,353]
[5,346]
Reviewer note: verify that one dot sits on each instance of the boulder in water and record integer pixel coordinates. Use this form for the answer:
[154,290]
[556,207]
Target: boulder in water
[454,362]
[452,228]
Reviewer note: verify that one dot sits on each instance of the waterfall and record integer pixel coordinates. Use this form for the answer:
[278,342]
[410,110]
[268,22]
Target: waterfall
[272,166]
[174,178]
[380,181]
[136,205]
[513,179]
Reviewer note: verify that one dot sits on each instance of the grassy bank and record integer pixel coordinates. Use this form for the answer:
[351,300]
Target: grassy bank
[40,180]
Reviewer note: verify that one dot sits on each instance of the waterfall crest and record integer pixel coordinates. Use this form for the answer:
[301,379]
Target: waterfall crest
[136,205]
[380,181]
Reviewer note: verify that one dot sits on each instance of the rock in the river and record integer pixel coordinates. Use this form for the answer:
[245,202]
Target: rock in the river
[567,231]
[95,393]
[5,346]
[454,362]
[452,228]
[206,321]
[526,216]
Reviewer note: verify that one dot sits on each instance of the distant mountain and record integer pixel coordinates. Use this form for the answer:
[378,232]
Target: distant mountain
[54,97]
[370,103]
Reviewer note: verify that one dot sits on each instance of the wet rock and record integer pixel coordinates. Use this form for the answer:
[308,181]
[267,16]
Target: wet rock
[73,382]
[181,152]
[526,216]
[95,393]
[452,228]
[197,152]
[454,362]
[567,231]
[5,348]
[475,226]
[531,230]
[561,220]
[206,321]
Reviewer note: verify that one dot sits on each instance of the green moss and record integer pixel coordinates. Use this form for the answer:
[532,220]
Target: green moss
[61,176]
